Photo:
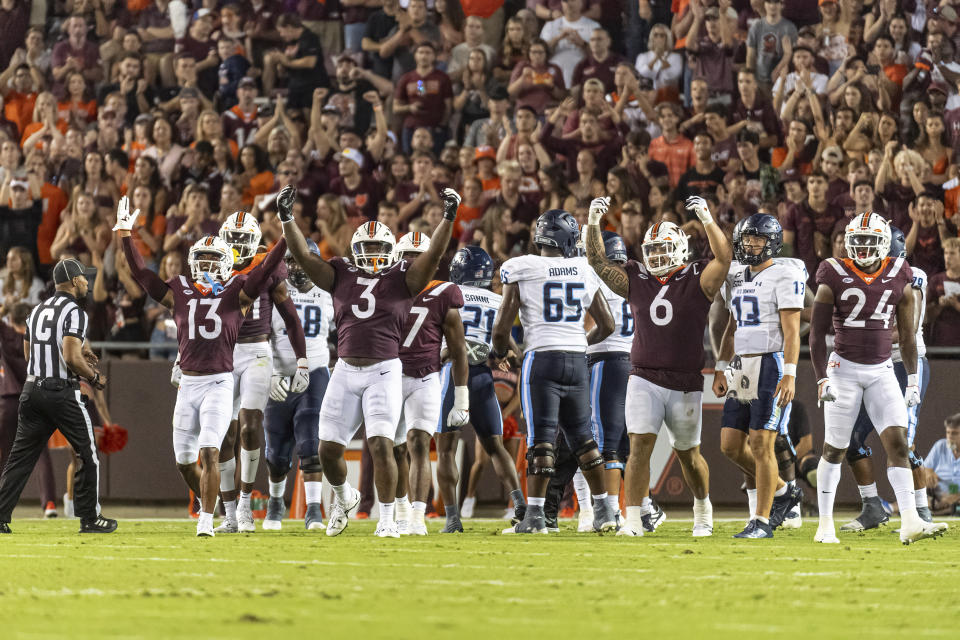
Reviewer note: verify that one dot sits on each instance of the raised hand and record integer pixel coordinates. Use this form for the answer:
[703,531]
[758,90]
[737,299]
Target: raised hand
[125,219]
[285,200]
[598,207]
[451,202]
[699,207]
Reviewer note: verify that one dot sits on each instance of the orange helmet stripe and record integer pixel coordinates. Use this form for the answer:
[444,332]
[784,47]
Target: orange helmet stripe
[656,230]
[209,241]
[240,219]
[371,228]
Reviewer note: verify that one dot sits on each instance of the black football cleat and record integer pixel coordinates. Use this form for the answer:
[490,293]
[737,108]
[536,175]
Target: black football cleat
[755,529]
[5,527]
[98,525]
[782,505]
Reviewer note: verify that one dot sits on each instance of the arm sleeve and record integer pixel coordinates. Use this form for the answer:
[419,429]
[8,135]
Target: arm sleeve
[259,275]
[150,281]
[819,326]
[298,341]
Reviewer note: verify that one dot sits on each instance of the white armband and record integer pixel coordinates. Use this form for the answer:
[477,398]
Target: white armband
[461,398]
[790,369]
[721,365]
[913,380]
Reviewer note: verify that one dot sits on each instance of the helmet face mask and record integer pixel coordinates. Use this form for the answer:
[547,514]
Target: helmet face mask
[373,247]
[242,233]
[296,276]
[867,239]
[210,257]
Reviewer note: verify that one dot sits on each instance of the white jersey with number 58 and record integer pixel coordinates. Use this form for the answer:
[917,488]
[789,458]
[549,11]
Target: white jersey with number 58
[315,309]
[756,299]
[554,296]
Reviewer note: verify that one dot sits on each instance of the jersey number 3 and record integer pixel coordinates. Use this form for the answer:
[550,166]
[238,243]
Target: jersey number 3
[370,303]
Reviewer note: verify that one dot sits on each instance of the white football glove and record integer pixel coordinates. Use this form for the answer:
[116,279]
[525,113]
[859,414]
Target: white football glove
[598,207]
[279,387]
[699,207]
[911,395]
[125,219]
[175,374]
[301,377]
[825,392]
[460,414]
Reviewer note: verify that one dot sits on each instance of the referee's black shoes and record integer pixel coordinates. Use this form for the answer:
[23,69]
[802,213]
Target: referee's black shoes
[5,527]
[98,525]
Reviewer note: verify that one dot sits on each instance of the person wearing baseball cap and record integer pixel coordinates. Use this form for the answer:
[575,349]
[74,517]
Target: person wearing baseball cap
[357,189]
[21,211]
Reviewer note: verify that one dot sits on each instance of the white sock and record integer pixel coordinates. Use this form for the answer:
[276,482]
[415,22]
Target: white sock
[386,511]
[921,498]
[230,508]
[205,520]
[613,501]
[420,510]
[634,515]
[471,502]
[782,490]
[646,502]
[248,465]
[342,491]
[313,491]
[752,501]
[227,471]
[582,490]
[245,499]
[901,479]
[868,490]
[828,477]
[702,504]
[762,519]
[277,489]
[536,502]
[403,508]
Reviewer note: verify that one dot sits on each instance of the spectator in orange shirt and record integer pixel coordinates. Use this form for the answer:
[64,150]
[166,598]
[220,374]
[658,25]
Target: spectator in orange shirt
[886,55]
[672,148]
[486,159]
[54,202]
[795,154]
[255,176]
[471,210]
[19,101]
[77,110]
[44,126]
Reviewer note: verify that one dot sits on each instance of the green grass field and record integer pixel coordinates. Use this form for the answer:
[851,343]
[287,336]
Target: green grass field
[155,579]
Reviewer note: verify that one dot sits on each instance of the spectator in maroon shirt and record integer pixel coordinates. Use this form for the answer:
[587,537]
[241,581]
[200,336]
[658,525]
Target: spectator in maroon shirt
[807,226]
[14,20]
[535,82]
[587,136]
[943,293]
[831,161]
[197,42]
[710,42]
[425,97]
[75,54]
[754,112]
[924,247]
[359,192]
[600,63]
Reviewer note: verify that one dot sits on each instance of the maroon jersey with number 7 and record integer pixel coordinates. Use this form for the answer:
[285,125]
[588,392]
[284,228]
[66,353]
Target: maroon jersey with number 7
[208,323]
[423,331]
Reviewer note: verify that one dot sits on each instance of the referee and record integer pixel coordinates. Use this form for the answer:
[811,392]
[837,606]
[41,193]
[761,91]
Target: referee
[57,354]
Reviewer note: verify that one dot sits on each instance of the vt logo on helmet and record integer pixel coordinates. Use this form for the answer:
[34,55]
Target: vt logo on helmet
[757,239]
[212,258]
[242,233]
[867,239]
[372,246]
[471,266]
[664,248]
[411,245]
[557,228]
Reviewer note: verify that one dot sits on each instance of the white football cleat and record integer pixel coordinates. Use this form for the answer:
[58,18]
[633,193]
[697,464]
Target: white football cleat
[703,520]
[387,530]
[418,528]
[245,523]
[793,519]
[585,520]
[630,529]
[917,530]
[204,530]
[227,526]
[826,533]
[340,515]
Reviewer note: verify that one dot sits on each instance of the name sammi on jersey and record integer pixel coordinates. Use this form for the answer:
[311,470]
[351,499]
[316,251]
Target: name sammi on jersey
[315,309]
[756,299]
[920,284]
[478,313]
[555,293]
[621,340]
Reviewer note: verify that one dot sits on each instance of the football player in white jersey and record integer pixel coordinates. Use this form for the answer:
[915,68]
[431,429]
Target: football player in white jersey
[472,269]
[290,419]
[551,290]
[251,373]
[757,364]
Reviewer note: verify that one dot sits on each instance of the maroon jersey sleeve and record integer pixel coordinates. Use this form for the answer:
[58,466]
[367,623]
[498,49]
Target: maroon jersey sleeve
[258,319]
[208,324]
[369,310]
[423,331]
[864,306]
[670,317]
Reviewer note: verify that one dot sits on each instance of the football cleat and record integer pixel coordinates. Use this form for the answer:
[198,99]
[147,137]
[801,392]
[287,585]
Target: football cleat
[782,505]
[104,525]
[530,524]
[872,515]
[585,520]
[925,514]
[919,530]
[452,526]
[340,515]
[604,518]
[5,527]
[793,519]
[826,534]
[227,526]
[466,510]
[274,518]
[204,530]
[313,518]
[245,523]
[653,519]
[629,529]
[519,511]
[402,516]
[755,530]
[418,528]
[50,510]
[703,520]
[387,529]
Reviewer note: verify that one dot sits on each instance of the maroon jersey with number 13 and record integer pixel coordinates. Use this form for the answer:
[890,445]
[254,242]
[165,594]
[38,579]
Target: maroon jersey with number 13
[208,323]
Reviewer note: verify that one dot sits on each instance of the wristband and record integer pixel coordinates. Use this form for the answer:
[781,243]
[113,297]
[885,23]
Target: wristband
[913,380]
[821,381]
[790,369]
[302,363]
[461,398]
[721,365]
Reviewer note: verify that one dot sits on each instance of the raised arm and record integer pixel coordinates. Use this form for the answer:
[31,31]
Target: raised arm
[319,270]
[147,279]
[612,274]
[421,271]
[259,275]
[716,270]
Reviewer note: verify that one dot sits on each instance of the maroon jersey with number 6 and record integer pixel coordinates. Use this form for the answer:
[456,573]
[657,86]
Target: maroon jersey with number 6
[670,317]
[208,323]
[423,331]
[864,306]
[369,310]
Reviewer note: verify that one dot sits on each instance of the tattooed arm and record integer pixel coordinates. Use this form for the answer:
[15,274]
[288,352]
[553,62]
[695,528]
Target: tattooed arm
[612,274]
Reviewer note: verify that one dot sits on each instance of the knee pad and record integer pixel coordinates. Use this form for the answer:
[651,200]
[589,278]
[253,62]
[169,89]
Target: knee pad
[783,447]
[540,450]
[311,464]
[590,464]
[808,470]
[915,460]
[586,447]
[859,453]
[278,467]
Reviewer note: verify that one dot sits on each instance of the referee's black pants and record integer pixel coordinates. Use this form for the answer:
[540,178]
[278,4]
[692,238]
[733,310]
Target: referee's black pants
[43,410]
[9,408]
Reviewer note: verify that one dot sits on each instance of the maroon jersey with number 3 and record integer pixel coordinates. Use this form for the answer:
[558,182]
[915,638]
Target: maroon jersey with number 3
[369,310]
[864,306]
[208,324]
[423,330]
[670,316]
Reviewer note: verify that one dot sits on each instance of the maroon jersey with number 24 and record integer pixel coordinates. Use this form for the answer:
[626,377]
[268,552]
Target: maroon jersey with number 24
[208,323]
[423,331]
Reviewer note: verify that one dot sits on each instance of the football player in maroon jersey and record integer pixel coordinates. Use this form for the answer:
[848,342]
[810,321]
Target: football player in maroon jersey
[861,293]
[371,299]
[208,313]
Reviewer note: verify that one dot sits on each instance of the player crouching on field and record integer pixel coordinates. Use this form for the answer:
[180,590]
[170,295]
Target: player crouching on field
[861,293]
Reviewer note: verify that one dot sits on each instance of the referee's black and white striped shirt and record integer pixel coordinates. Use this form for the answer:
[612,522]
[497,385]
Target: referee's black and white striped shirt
[49,322]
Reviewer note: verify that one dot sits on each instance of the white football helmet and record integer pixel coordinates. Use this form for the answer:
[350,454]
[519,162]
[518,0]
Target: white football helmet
[664,248]
[867,239]
[241,232]
[372,246]
[213,256]
[413,242]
